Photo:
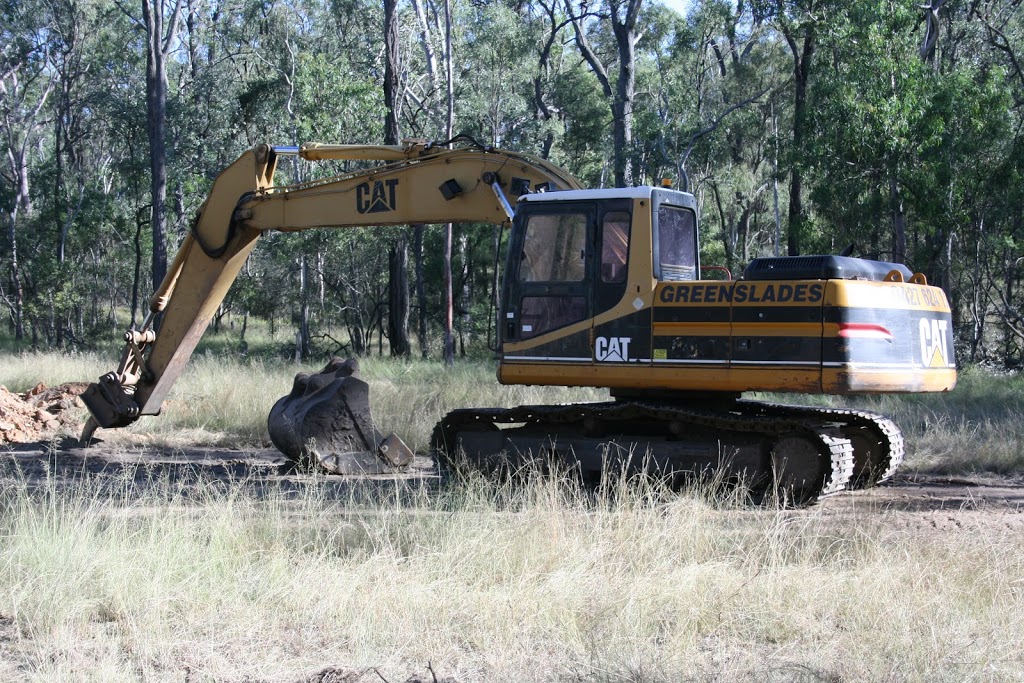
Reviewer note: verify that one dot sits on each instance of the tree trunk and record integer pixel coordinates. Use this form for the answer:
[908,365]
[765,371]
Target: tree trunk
[137,278]
[302,346]
[465,292]
[449,345]
[624,28]
[802,56]
[398,298]
[158,45]
[391,134]
[355,320]
[449,340]
[19,294]
[426,42]
[624,15]
[17,156]
[899,221]
[398,261]
[421,291]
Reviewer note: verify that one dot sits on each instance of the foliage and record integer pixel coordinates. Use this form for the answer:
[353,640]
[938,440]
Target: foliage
[909,156]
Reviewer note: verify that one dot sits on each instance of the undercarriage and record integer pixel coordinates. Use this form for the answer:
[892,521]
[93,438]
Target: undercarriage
[797,454]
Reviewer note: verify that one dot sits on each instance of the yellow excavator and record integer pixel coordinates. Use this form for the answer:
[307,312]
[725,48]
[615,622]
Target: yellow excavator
[602,288]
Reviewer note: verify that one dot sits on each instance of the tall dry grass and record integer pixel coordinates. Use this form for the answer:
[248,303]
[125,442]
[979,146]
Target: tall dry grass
[224,400]
[115,579]
[541,582]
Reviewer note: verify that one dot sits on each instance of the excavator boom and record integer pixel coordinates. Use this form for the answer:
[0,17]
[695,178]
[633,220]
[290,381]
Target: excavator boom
[417,183]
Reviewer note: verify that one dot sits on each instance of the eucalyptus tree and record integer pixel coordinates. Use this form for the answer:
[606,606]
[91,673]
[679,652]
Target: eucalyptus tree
[719,76]
[159,22]
[26,83]
[615,73]
[800,24]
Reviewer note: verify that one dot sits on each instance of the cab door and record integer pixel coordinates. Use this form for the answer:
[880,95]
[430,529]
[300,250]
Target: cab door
[548,298]
[620,336]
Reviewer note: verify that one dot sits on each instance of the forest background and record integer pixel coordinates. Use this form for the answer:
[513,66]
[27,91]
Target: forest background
[801,127]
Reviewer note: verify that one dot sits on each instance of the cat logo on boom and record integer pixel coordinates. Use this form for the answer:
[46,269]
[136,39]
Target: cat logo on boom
[378,197]
[612,349]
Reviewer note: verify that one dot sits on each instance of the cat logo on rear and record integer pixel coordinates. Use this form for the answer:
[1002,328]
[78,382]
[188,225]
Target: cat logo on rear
[934,351]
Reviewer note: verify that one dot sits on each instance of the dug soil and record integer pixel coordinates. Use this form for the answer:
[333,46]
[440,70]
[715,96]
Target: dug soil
[40,413]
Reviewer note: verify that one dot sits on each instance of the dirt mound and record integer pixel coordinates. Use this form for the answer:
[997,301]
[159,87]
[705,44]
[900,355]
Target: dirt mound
[39,412]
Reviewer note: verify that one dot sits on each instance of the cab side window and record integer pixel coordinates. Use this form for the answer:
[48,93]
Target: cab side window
[677,243]
[614,246]
[540,314]
[555,248]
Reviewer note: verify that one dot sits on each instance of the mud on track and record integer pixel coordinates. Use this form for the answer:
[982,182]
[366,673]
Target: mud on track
[909,501]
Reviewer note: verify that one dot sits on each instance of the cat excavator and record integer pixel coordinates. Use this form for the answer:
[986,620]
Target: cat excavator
[601,288]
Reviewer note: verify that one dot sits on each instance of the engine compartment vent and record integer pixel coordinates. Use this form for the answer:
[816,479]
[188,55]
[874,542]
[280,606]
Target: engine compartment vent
[821,267]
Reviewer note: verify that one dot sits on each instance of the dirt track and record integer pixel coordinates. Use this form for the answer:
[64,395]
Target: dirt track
[909,501]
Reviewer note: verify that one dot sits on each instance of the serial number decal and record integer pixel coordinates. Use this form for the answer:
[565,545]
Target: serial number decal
[743,292]
[915,295]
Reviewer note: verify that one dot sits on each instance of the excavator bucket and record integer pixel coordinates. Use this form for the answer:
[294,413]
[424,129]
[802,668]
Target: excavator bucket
[325,423]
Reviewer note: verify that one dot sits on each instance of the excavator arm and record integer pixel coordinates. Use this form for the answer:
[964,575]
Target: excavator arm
[416,183]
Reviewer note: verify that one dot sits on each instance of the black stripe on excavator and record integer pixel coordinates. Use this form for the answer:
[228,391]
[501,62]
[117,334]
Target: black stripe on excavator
[693,348]
[737,314]
[691,314]
[776,314]
[843,314]
[805,350]
[740,350]
[573,347]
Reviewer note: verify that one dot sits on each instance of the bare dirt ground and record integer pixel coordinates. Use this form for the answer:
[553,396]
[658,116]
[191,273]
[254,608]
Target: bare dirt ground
[30,452]
[909,501]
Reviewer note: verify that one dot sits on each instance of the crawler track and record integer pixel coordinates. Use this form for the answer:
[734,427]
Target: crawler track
[878,446]
[804,455]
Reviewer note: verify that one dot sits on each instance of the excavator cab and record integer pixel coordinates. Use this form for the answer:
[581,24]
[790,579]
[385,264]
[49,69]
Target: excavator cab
[581,271]
[602,290]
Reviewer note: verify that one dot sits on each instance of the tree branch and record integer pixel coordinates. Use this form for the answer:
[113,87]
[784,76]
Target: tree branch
[588,53]
[717,122]
[172,28]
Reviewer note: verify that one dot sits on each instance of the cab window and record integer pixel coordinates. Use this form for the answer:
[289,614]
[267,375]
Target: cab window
[677,244]
[614,246]
[540,314]
[554,249]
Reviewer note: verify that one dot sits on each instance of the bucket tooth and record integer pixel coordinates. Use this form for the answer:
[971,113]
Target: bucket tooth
[325,422]
[394,451]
